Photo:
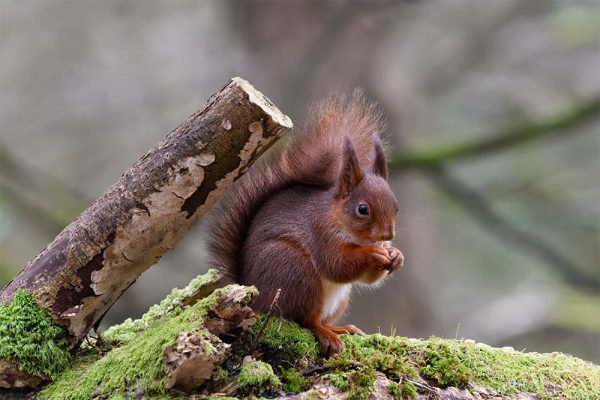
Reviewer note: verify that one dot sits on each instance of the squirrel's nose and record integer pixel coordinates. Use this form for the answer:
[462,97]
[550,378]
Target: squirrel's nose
[389,232]
[383,232]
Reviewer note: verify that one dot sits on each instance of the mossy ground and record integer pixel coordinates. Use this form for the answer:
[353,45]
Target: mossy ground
[445,362]
[283,342]
[293,380]
[439,362]
[403,390]
[29,336]
[435,361]
[285,353]
[258,378]
[134,364]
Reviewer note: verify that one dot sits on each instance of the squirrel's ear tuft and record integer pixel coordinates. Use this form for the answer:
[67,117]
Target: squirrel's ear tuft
[379,163]
[351,173]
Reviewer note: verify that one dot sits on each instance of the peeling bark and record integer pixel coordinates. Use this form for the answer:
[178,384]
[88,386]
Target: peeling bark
[97,257]
[191,362]
[194,357]
[231,316]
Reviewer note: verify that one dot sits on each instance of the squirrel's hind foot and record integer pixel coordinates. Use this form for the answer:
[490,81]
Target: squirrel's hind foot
[329,341]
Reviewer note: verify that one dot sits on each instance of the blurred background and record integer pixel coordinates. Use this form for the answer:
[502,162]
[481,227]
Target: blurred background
[494,122]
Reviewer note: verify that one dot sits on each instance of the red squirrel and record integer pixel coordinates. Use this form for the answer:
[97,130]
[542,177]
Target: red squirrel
[313,219]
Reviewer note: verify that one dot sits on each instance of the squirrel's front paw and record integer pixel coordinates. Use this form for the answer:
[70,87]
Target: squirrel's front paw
[396,257]
[378,257]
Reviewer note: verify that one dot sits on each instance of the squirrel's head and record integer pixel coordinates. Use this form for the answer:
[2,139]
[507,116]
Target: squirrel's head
[366,206]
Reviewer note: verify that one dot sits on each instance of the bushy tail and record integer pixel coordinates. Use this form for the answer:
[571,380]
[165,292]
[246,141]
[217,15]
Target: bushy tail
[311,157]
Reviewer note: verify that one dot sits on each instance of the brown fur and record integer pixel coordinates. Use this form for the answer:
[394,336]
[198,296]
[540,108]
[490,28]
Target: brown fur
[292,222]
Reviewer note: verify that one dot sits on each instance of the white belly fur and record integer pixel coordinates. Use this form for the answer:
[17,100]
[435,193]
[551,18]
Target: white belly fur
[333,294]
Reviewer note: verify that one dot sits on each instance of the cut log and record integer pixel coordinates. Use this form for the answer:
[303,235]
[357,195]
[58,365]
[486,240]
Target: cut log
[97,257]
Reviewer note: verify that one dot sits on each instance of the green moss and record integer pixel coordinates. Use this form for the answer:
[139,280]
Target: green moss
[376,351]
[457,363]
[402,391]
[138,363]
[395,390]
[258,378]
[29,336]
[293,381]
[510,372]
[358,383]
[445,366]
[339,380]
[171,304]
[354,369]
[221,375]
[361,383]
[287,340]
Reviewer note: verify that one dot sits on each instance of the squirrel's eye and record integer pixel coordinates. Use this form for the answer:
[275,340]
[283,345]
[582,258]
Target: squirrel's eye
[362,209]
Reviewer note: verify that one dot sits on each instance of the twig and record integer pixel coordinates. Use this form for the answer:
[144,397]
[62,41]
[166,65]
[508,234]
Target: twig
[481,211]
[522,133]
[264,325]
[420,385]
[316,370]
[229,389]
[324,368]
